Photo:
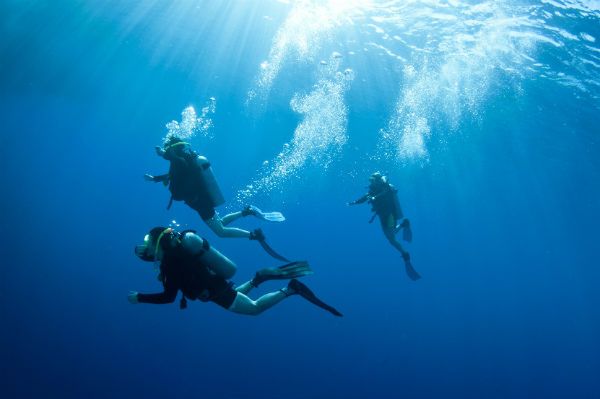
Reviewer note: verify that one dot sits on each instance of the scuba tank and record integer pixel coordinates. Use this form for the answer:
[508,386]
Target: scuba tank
[214,258]
[206,253]
[209,181]
[208,270]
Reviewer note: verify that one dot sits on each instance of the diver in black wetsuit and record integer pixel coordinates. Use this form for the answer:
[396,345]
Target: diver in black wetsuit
[190,179]
[188,182]
[383,198]
[190,265]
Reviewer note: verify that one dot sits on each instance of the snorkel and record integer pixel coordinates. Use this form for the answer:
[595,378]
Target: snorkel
[168,230]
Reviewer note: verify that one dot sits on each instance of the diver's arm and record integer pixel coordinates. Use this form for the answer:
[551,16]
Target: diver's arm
[167,296]
[361,200]
[160,151]
[157,299]
[157,179]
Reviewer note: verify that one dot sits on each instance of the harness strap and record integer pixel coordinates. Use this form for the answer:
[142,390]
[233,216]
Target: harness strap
[205,246]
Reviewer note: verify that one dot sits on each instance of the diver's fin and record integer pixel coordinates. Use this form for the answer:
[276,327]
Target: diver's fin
[410,271]
[285,272]
[272,252]
[307,294]
[259,236]
[267,216]
[273,216]
[406,231]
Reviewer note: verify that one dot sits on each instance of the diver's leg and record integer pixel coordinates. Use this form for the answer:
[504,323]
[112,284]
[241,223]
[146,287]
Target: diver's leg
[389,234]
[245,288]
[399,225]
[410,271]
[217,227]
[247,306]
[231,217]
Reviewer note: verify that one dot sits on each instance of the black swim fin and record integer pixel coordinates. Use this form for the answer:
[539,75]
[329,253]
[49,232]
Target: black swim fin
[307,294]
[285,272]
[259,236]
[410,271]
[272,252]
[406,231]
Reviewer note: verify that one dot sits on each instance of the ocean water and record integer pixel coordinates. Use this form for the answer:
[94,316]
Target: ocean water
[484,115]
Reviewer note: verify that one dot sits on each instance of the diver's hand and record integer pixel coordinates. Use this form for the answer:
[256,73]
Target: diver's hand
[351,203]
[133,297]
[159,151]
[148,177]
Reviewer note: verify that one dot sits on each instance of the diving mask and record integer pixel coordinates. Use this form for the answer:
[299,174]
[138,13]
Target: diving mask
[144,251]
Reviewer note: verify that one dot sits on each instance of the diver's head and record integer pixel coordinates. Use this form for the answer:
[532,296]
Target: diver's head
[171,139]
[377,178]
[173,146]
[154,243]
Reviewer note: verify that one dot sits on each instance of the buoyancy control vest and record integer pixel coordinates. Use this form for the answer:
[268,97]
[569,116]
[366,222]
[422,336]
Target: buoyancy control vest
[386,201]
[191,270]
[191,176]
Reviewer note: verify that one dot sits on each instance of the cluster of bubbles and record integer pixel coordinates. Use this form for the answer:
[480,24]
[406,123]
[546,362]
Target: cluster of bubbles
[320,135]
[191,124]
[448,55]
[442,60]
[308,24]
[454,83]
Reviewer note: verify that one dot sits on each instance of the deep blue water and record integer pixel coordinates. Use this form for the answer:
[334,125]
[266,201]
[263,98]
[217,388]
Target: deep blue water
[484,116]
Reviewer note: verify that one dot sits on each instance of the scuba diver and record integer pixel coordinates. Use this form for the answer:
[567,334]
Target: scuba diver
[383,198]
[190,179]
[190,265]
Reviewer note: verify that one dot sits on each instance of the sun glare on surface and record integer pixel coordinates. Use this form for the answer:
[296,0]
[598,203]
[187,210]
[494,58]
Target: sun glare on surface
[340,7]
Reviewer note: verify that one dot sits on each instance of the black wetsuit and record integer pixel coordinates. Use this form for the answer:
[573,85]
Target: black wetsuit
[385,204]
[182,271]
[184,183]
